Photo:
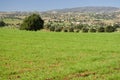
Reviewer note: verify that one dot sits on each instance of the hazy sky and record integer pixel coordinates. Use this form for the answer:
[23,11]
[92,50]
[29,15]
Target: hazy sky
[42,5]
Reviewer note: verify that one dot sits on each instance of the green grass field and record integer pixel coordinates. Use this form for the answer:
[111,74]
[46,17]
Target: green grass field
[26,55]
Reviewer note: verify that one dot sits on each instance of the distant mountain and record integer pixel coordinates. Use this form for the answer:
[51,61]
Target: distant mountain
[88,9]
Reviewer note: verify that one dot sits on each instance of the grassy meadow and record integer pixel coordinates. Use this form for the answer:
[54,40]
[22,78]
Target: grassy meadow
[40,55]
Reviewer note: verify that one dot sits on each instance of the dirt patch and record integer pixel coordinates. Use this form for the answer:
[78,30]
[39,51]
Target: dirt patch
[77,75]
[118,69]
[50,79]
[73,75]
[14,77]
[53,78]
[3,59]
[26,70]
[55,65]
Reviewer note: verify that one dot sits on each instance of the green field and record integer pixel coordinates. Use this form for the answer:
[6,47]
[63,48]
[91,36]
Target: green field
[26,55]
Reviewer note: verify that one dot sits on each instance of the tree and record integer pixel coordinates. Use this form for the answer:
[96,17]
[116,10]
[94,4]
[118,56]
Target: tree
[2,23]
[85,29]
[92,30]
[101,29]
[52,28]
[109,29]
[32,23]
[80,26]
[71,29]
[58,29]
[65,29]
[116,26]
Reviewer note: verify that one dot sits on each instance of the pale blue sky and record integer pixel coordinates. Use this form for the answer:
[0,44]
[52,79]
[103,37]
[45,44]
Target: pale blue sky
[42,5]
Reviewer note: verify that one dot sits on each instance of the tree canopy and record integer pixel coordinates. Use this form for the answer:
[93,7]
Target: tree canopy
[2,23]
[32,23]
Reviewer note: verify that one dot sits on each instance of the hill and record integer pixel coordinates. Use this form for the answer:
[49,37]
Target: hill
[88,9]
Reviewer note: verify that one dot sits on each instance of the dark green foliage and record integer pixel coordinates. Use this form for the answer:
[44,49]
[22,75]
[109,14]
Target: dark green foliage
[2,23]
[101,29]
[109,29]
[52,28]
[33,23]
[79,26]
[85,29]
[77,30]
[116,25]
[92,30]
[65,30]
[47,26]
[71,29]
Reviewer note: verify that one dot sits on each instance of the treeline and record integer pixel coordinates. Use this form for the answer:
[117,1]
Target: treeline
[81,28]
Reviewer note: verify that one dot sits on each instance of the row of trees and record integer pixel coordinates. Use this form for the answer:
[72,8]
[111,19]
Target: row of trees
[82,28]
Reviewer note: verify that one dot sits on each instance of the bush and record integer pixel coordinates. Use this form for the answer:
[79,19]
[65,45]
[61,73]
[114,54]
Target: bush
[116,26]
[47,26]
[101,29]
[52,28]
[92,30]
[84,29]
[2,23]
[71,29]
[33,23]
[109,29]
[80,26]
[65,29]
[58,29]
[77,30]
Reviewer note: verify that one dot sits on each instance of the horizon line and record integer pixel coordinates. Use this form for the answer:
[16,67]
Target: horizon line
[55,9]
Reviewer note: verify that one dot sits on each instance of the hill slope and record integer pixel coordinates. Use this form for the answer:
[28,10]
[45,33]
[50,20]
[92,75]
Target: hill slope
[88,9]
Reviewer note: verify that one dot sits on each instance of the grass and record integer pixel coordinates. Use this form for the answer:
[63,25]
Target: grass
[26,55]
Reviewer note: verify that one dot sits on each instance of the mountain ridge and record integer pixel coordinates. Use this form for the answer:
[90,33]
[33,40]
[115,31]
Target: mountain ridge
[87,9]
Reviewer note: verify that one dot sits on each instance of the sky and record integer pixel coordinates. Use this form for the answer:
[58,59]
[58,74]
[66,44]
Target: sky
[44,5]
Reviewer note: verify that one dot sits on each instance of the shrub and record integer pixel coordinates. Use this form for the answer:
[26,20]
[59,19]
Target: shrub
[80,26]
[101,29]
[47,26]
[58,29]
[116,26]
[2,23]
[65,29]
[52,28]
[92,30]
[77,30]
[85,29]
[109,29]
[33,23]
[71,29]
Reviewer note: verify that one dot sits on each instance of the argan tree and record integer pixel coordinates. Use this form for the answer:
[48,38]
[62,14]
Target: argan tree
[32,23]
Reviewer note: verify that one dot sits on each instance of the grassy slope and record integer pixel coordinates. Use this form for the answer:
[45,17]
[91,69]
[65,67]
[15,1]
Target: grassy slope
[38,55]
